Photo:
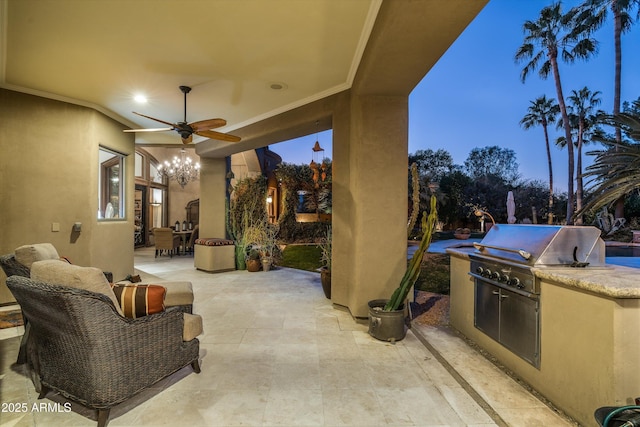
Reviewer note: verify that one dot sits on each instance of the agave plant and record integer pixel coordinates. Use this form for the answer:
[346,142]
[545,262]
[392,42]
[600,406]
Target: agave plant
[413,270]
[616,170]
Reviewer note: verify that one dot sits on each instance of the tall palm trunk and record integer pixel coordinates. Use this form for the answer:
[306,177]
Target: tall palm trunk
[579,185]
[617,43]
[553,58]
[546,140]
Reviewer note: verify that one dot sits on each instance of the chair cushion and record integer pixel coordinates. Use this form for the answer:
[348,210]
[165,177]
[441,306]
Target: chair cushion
[140,300]
[178,292]
[62,273]
[28,254]
[214,242]
[192,326]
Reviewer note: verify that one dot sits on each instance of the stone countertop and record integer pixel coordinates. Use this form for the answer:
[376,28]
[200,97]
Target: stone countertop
[612,281]
[462,252]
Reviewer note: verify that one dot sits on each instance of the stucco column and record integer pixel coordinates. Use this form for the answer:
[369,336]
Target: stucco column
[369,199]
[212,197]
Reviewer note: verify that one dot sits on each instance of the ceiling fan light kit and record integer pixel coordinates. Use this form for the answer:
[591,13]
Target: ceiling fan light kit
[186,130]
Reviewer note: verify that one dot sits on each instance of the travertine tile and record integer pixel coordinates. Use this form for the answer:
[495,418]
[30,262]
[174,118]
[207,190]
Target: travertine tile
[275,352]
[294,407]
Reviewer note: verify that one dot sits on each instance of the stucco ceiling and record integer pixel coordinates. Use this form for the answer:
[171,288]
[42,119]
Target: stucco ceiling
[102,53]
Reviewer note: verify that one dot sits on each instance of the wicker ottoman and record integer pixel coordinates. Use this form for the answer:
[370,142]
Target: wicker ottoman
[214,255]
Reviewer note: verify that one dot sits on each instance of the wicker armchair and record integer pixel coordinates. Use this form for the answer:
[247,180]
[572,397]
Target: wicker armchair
[12,267]
[166,241]
[92,355]
[192,240]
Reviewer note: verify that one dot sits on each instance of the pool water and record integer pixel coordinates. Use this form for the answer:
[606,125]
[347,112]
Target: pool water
[622,251]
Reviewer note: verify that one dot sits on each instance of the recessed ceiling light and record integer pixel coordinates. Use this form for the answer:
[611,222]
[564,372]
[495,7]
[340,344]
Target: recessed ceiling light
[278,86]
[140,99]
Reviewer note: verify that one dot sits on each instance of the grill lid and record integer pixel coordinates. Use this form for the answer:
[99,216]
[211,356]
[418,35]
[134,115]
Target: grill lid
[544,245]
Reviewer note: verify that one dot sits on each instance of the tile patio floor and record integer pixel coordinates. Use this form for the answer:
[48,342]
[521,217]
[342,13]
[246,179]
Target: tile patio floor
[275,352]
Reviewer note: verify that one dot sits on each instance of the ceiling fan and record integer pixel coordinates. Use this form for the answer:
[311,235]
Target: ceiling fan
[186,130]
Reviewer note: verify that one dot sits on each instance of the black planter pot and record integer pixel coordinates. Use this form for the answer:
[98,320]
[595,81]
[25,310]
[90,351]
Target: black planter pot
[325,279]
[386,325]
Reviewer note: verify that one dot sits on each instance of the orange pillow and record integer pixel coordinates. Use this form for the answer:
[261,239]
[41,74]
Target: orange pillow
[140,300]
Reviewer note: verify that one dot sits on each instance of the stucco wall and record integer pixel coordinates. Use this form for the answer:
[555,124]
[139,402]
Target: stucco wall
[49,174]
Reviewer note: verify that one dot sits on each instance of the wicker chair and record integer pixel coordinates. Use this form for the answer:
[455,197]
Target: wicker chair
[12,267]
[192,240]
[166,241]
[90,354]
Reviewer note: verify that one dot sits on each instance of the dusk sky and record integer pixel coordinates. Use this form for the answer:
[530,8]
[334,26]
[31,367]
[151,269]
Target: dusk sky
[473,96]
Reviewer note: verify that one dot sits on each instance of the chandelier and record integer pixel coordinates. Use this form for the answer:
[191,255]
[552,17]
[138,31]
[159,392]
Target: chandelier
[180,169]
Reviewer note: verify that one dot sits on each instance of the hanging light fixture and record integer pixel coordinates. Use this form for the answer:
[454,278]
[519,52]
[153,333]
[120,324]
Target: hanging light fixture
[180,169]
[317,157]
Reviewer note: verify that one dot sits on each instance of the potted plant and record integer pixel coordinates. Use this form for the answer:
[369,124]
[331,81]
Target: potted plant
[268,246]
[253,260]
[325,270]
[386,317]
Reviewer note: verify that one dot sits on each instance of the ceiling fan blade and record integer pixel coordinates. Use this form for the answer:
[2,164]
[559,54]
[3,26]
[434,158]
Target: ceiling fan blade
[148,130]
[187,140]
[207,124]
[218,135]
[157,120]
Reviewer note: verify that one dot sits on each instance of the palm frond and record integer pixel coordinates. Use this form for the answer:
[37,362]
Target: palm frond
[616,170]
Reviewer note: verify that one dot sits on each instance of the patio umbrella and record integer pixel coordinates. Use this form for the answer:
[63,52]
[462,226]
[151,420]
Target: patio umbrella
[511,208]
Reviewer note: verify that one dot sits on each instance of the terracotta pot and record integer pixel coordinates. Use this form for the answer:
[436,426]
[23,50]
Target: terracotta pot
[325,279]
[253,265]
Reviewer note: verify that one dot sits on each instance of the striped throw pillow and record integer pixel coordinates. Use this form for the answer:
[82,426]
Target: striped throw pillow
[140,300]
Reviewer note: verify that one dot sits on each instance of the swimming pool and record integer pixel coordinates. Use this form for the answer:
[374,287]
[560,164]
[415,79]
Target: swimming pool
[622,251]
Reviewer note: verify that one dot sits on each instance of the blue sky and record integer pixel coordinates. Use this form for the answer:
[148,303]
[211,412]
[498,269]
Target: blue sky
[473,96]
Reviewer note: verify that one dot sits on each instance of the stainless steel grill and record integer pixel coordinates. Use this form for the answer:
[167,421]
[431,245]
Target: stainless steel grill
[544,245]
[507,295]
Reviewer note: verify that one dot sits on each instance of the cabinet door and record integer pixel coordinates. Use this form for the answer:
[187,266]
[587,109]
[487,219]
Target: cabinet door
[487,309]
[519,325]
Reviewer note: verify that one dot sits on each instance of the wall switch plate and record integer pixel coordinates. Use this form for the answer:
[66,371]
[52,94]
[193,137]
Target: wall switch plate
[55,226]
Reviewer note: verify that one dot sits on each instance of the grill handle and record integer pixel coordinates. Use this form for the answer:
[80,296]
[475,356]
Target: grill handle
[524,254]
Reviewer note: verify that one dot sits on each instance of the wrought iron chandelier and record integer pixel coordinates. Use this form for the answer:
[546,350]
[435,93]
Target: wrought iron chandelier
[180,169]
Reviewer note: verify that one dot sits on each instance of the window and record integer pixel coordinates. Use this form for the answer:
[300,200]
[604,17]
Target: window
[111,203]
[154,175]
[139,166]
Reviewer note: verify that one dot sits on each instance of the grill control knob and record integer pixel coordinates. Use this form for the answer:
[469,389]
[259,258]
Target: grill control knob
[479,270]
[486,273]
[505,278]
[515,282]
[495,275]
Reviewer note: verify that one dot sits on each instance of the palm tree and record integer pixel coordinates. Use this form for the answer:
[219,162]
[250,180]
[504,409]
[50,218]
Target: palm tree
[543,112]
[583,103]
[591,16]
[616,173]
[590,131]
[544,39]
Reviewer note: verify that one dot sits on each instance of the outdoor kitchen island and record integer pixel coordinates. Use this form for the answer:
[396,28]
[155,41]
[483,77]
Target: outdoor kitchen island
[586,324]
